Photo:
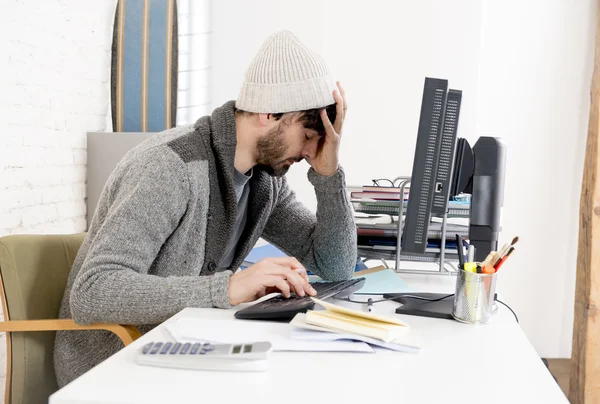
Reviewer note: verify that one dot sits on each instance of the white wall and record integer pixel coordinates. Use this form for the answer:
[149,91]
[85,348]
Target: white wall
[534,83]
[524,68]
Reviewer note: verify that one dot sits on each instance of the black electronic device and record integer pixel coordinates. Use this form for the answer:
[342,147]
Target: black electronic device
[479,171]
[425,163]
[487,195]
[436,305]
[280,308]
[445,166]
[446,154]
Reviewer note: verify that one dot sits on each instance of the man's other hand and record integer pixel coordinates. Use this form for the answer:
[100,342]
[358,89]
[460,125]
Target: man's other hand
[269,275]
[326,160]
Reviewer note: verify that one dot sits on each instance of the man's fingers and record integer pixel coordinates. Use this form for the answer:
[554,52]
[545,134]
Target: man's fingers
[298,283]
[298,279]
[329,129]
[343,93]
[279,283]
[290,262]
[339,106]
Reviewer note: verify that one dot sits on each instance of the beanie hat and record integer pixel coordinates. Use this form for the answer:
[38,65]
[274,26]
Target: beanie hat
[286,76]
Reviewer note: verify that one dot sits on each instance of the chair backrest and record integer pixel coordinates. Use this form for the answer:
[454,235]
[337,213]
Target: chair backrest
[34,271]
[104,152]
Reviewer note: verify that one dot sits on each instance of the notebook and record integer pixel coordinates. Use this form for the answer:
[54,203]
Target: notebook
[302,331]
[342,319]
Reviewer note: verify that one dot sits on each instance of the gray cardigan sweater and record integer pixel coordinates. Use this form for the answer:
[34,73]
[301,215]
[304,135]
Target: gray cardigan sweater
[162,224]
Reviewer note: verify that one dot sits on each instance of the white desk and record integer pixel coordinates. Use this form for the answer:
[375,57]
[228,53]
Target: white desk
[459,363]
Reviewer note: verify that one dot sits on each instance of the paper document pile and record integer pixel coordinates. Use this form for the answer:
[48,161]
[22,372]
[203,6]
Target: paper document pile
[337,323]
[335,329]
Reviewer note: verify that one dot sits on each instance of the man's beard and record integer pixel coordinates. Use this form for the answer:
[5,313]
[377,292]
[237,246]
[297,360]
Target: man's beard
[270,149]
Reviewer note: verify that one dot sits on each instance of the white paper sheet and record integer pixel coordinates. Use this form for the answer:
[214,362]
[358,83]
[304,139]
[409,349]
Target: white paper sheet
[236,331]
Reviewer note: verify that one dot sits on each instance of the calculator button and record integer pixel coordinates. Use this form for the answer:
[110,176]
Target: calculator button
[166,348]
[155,348]
[185,349]
[208,347]
[147,347]
[175,348]
[195,348]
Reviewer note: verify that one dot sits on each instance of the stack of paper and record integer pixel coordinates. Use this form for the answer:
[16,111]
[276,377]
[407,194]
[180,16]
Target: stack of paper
[339,323]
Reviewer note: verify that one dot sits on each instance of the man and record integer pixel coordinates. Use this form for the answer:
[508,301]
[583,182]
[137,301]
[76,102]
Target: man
[182,210]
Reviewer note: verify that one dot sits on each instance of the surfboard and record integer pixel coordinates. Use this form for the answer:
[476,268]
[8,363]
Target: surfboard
[144,66]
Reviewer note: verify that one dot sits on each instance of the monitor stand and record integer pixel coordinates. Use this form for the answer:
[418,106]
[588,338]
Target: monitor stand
[436,305]
[413,306]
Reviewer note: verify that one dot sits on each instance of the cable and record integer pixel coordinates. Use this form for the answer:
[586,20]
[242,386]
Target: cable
[429,300]
[508,307]
[393,298]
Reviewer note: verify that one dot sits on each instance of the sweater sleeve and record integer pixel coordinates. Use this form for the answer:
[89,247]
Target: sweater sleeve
[324,243]
[147,199]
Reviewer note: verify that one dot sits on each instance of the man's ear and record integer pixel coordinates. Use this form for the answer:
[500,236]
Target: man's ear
[263,119]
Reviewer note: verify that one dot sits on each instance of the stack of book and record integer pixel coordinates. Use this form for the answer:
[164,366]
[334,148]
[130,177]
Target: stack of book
[376,213]
[336,323]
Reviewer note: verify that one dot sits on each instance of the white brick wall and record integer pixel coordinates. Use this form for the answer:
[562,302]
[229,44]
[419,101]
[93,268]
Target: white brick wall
[55,89]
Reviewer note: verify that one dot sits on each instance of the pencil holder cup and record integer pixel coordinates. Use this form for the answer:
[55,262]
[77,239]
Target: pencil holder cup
[474,297]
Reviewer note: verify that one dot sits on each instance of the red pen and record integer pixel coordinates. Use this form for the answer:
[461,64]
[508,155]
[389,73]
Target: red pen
[499,263]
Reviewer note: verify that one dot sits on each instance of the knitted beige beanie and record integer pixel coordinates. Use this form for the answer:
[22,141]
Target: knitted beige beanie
[286,76]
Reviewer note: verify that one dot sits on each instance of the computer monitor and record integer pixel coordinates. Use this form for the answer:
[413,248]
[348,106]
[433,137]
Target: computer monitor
[433,164]
[444,166]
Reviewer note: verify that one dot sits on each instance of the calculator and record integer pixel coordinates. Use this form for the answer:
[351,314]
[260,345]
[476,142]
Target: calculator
[249,357]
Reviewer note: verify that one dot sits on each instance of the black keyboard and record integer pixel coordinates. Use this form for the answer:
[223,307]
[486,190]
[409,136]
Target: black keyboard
[281,308]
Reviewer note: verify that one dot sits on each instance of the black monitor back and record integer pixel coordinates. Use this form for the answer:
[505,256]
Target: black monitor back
[431,179]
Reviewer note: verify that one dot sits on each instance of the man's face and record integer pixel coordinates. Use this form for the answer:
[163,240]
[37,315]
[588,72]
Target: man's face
[286,142]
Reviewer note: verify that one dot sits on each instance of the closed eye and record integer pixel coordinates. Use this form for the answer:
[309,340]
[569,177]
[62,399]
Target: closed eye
[311,134]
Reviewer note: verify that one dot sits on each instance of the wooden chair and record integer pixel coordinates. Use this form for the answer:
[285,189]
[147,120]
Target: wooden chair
[33,276]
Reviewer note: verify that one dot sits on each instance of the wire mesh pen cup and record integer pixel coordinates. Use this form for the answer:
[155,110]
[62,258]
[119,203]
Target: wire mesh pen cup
[474,297]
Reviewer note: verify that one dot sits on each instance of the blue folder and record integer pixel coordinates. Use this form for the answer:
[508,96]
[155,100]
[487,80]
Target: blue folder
[271,251]
[382,282]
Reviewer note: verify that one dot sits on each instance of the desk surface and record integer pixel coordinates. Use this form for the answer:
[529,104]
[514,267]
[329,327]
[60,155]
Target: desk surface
[459,363]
